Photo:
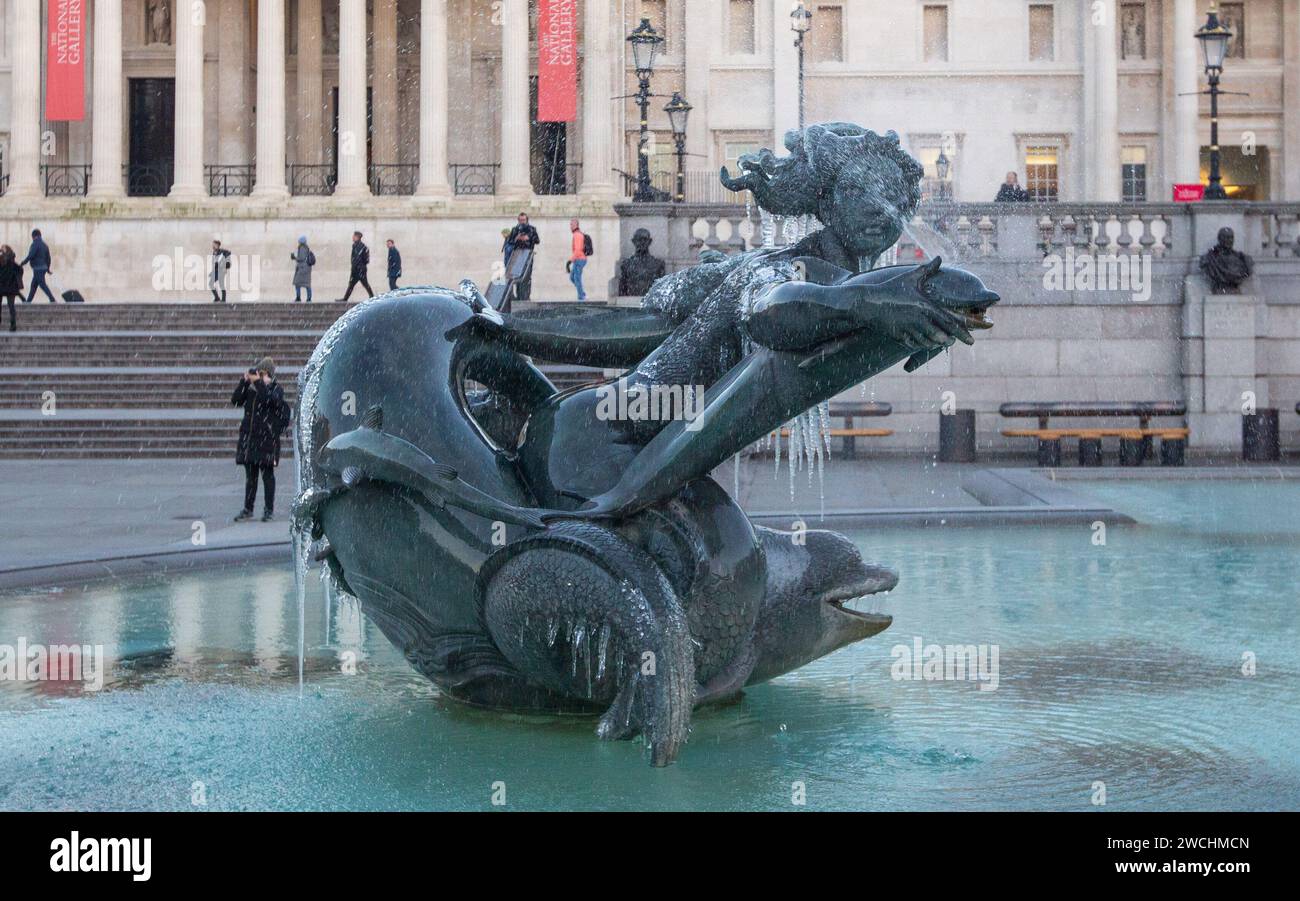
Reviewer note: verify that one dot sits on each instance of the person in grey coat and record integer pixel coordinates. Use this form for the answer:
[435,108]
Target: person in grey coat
[303,260]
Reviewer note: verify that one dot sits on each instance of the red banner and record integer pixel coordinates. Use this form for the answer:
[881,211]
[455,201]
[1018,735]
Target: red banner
[65,62]
[557,60]
[1189,193]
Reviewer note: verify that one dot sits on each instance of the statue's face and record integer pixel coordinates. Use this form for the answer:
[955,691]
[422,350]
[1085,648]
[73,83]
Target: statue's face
[864,218]
[641,243]
[1226,238]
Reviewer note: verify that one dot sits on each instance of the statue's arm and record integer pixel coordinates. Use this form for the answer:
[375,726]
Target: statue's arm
[800,315]
[610,336]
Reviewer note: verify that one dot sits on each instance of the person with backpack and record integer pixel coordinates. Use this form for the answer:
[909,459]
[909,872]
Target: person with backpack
[582,248]
[303,260]
[38,255]
[266,416]
[11,281]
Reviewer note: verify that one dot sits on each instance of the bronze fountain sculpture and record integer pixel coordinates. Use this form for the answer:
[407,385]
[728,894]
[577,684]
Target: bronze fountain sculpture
[568,552]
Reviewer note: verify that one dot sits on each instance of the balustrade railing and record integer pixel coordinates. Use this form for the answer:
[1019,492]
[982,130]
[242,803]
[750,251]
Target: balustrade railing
[312,179]
[474,179]
[394,179]
[229,180]
[65,180]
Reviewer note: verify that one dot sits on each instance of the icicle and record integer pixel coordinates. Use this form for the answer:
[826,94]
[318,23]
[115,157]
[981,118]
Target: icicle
[328,584]
[602,649]
[552,631]
[824,409]
[776,451]
[735,466]
[301,564]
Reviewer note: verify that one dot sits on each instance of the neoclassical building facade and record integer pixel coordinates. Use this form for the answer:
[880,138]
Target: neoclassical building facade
[258,120]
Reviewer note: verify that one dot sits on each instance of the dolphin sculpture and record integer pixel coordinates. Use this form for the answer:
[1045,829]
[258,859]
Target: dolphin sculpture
[527,550]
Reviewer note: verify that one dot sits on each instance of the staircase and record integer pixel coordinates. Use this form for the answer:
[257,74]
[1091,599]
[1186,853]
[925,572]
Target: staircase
[118,381]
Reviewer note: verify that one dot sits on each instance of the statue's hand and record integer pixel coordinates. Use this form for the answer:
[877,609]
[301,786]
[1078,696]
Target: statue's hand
[915,323]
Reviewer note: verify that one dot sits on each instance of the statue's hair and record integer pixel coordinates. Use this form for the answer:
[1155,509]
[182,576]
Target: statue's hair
[823,156]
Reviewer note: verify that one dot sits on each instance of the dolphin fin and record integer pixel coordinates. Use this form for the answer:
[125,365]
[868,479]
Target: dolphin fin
[368,453]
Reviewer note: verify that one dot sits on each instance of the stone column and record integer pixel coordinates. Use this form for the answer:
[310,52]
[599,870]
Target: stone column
[785,75]
[387,122]
[106,115]
[516,182]
[701,30]
[1105,139]
[270,182]
[353,182]
[433,100]
[25,105]
[1185,140]
[597,103]
[187,181]
[1291,100]
[311,96]
[235,120]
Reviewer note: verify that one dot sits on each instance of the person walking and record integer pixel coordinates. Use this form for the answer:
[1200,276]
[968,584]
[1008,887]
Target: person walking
[303,260]
[11,281]
[523,236]
[38,256]
[217,272]
[578,258]
[394,265]
[266,415]
[360,265]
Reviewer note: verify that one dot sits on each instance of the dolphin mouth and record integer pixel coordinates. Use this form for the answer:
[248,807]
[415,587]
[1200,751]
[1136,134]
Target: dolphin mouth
[840,598]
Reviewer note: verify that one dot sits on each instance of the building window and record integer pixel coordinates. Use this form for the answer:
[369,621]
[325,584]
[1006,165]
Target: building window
[1042,32]
[1133,31]
[1233,15]
[827,34]
[934,34]
[740,22]
[1133,174]
[932,187]
[1041,173]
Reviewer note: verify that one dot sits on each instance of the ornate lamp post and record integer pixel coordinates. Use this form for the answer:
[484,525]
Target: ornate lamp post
[1214,37]
[678,111]
[941,168]
[800,23]
[645,43]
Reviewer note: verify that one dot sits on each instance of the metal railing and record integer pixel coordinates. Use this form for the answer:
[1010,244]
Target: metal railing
[65,179]
[230,181]
[474,179]
[312,179]
[4,183]
[389,179]
[151,180]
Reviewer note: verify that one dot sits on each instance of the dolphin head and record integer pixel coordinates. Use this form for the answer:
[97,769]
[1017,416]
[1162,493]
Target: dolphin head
[815,580]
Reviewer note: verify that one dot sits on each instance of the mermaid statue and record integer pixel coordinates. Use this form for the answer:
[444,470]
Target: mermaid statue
[568,552]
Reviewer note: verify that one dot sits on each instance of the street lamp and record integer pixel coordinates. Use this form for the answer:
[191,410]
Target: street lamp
[679,111]
[800,24]
[1214,37]
[645,43]
[941,167]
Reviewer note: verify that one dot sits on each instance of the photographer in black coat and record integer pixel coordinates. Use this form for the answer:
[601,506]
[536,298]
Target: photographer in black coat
[266,415]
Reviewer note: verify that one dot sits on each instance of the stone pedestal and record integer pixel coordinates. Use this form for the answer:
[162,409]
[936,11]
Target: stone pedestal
[1220,364]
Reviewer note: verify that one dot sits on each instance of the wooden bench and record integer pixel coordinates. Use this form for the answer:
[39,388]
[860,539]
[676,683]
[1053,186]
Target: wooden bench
[1135,444]
[848,411]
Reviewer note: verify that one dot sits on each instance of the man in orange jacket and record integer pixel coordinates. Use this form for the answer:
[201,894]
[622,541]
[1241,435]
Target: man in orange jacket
[578,258]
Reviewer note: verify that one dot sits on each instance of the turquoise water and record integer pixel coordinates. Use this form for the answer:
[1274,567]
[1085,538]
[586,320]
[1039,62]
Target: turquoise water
[1118,663]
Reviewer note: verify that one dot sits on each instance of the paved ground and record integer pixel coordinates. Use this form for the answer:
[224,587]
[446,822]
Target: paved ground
[69,510]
